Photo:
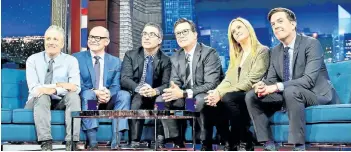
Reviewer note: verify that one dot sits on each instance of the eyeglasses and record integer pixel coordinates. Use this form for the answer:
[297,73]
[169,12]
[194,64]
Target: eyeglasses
[151,34]
[96,38]
[184,32]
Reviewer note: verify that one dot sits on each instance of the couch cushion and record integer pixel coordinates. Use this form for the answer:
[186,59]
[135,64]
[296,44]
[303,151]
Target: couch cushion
[10,89]
[340,76]
[6,115]
[12,102]
[321,133]
[12,75]
[280,118]
[328,113]
[27,132]
[25,116]
[318,114]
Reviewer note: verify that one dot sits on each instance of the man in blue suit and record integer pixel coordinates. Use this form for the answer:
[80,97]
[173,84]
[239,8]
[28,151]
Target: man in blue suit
[100,81]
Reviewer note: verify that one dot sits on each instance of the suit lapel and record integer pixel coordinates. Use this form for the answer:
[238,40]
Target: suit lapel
[106,64]
[90,67]
[157,58]
[296,51]
[196,58]
[141,62]
[281,60]
[181,65]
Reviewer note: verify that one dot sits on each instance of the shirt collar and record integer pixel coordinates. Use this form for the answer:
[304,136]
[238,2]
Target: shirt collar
[47,58]
[101,56]
[192,51]
[292,43]
[152,56]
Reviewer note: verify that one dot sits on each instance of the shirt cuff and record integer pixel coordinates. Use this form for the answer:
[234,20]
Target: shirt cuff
[280,86]
[157,91]
[190,93]
[61,91]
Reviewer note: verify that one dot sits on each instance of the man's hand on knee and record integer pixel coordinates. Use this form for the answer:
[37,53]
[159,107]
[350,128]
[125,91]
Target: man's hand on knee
[47,91]
[67,86]
[102,95]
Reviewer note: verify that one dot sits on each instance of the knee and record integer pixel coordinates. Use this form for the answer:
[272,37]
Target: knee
[72,99]
[226,98]
[200,101]
[43,101]
[88,95]
[72,96]
[292,93]
[124,97]
[159,99]
[250,97]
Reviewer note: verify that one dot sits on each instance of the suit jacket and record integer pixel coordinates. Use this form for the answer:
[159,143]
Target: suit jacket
[252,71]
[111,75]
[133,65]
[206,69]
[309,70]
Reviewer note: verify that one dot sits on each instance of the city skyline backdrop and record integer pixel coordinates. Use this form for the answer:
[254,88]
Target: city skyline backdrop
[328,21]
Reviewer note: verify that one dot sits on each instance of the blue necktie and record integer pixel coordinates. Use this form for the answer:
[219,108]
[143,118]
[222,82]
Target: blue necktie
[97,71]
[286,64]
[149,71]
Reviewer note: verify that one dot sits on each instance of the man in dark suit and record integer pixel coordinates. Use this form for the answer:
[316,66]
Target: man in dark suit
[196,69]
[100,74]
[297,77]
[145,73]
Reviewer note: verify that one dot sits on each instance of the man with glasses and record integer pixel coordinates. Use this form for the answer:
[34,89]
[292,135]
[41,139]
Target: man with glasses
[100,82]
[145,73]
[196,69]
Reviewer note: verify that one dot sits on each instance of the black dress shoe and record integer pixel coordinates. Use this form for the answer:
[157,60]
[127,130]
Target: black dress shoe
[206,148]
[46,145]
[227,147]
[135,144]
[246,146]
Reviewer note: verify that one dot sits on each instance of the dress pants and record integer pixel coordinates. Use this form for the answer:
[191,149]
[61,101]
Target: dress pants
[294,99]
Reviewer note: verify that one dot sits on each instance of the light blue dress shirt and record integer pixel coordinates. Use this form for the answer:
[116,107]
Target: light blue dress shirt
[65,69]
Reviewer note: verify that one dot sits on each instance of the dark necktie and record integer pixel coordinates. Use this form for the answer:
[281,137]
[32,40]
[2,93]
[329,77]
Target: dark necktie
[149,71]
[187,72]
[286,64]
[97,71]
[49,73]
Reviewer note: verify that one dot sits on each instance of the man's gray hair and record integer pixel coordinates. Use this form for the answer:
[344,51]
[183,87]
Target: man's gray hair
[152,24]
[58,29]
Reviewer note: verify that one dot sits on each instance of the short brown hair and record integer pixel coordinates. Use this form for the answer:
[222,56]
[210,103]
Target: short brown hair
[289,14]
[184,20]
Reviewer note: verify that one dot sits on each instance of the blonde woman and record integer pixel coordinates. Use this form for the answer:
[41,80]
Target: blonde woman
[249,61]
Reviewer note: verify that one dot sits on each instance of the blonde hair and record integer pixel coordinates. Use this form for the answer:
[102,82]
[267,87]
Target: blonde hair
[234,46]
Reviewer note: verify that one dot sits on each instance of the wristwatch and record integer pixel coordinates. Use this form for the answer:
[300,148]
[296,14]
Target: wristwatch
[185,94]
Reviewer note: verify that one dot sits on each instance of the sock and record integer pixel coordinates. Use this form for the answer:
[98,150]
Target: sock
[91,133]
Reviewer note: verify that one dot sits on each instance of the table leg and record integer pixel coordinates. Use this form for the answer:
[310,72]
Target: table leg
[194,142]
[118,140]
[155,134]
[72,126]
